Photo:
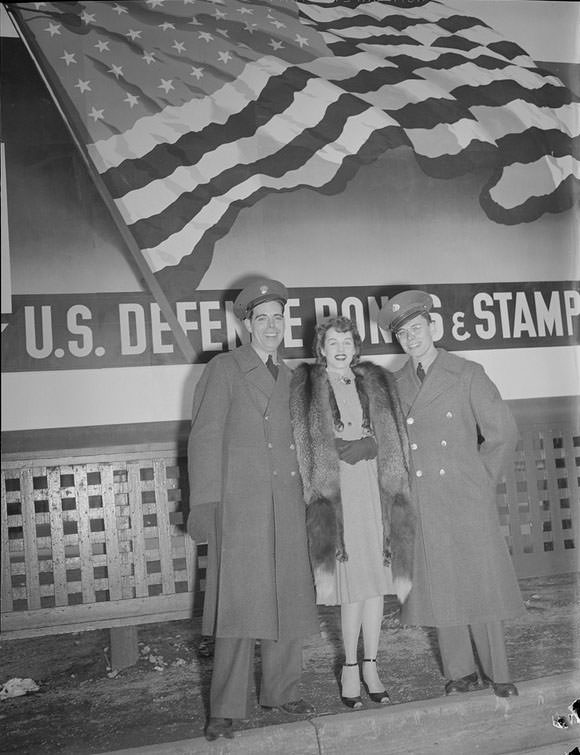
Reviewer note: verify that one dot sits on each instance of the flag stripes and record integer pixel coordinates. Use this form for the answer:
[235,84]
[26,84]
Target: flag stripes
[228,101]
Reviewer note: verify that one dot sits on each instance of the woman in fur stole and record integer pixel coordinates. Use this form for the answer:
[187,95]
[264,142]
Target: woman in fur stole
[351,443]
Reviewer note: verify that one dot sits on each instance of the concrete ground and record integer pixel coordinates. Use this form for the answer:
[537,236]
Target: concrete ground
[159,706]
[473,723]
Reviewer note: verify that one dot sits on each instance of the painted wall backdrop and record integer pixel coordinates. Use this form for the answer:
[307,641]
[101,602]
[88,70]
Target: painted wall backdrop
[85,344]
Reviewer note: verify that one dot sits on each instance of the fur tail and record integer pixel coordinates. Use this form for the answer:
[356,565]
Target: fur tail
[321,525]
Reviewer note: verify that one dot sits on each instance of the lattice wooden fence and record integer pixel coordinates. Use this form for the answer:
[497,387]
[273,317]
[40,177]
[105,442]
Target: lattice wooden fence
[539,502]
[100,532]
[100,541]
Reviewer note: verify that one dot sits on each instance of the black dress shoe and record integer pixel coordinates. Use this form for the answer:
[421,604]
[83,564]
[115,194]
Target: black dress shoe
[297,708]
[465,684]
[504,689]
[219,727]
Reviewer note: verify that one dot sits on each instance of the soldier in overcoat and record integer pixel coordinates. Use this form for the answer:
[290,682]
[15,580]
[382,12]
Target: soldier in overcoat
[246,501]
[462,435]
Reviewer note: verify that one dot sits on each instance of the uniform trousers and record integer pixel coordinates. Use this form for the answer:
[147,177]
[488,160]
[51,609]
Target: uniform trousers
[457,651]
[233,669]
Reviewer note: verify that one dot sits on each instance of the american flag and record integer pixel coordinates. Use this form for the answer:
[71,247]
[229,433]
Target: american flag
[192,109]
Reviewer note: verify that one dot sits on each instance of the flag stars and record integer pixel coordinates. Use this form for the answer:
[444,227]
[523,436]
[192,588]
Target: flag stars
[246,11]
[116,71]
[88,18]
[275,45]
[251,27]
[223,32]
[166,25]
[119,9]
[96,115]
[134,34]
[166,85]
[68,57]
[195,22]
[277,24]
[155,3]
[149,57]
[225,56]
[83,86]
[53,29]
[132,100]
[302,41]
[179,46]
[206,36]
[197,72]
[219,14]
[102,45]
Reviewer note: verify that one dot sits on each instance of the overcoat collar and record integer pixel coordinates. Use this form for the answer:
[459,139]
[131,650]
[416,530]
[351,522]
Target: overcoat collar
[442,374]
[256,373]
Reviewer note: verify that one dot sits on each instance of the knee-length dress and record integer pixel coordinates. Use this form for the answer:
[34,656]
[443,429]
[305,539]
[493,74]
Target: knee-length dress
[364,574]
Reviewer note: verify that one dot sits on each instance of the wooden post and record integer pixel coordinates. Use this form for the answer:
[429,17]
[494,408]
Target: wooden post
[124,650]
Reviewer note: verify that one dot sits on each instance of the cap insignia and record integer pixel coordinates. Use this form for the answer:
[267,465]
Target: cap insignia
[396,307]
[263,290]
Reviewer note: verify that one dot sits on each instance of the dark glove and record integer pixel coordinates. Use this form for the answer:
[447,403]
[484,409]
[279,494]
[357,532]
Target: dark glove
[201,521]
[352,451]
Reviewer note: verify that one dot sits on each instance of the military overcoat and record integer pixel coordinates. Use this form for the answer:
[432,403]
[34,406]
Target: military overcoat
[242,464]
[463,573]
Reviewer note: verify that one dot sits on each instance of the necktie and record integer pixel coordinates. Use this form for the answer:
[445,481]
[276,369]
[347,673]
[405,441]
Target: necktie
[273,368]
[420,372]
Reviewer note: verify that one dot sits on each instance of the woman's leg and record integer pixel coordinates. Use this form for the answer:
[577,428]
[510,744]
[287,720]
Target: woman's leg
[372,617]
[351,615]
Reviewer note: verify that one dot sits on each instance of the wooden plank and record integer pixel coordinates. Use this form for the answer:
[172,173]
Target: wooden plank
[573,487]
[6,576]
[535,496]
[57,537]
[554,493]
[84,534]
[137,534]
[78,618]
[111,536]
[29,531]
[163,527]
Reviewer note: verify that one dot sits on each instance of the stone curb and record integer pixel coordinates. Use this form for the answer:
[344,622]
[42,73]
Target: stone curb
[477,722]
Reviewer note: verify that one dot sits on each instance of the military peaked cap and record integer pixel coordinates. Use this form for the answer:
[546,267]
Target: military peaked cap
[402,307]
[257,292]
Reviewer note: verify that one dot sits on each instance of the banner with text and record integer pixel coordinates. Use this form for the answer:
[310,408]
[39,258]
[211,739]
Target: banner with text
[79,331]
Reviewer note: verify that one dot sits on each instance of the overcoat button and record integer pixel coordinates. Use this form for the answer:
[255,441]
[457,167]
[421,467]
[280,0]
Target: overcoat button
[292,446]
[414,446]
[449,415]
[419,473]
[275,473]
[443,443]
[270,445]
[441,472]
[410,420]
[292,473]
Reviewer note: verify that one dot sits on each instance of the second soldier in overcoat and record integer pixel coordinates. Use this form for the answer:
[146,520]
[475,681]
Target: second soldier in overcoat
[462,436]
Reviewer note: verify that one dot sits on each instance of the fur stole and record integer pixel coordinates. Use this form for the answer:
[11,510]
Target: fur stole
[318,461]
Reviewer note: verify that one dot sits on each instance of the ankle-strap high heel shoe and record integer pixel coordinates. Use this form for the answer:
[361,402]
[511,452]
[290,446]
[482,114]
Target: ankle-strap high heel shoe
[377,697]
[351,702]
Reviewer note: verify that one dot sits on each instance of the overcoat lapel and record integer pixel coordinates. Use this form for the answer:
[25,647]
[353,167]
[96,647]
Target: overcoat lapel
[441,377]
[257,376]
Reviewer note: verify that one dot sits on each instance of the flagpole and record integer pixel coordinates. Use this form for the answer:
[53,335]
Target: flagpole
[149,277]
